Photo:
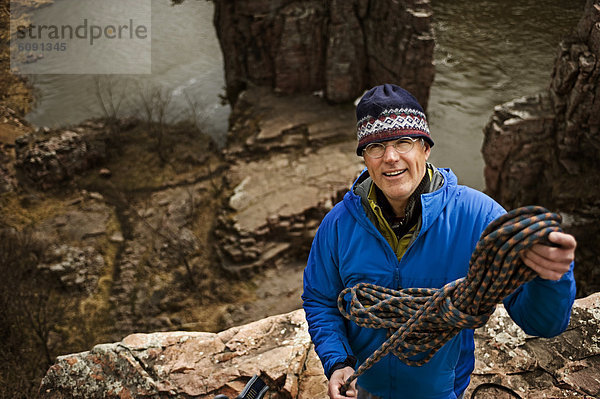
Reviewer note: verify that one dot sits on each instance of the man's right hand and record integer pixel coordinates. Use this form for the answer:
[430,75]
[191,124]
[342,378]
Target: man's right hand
[338,378]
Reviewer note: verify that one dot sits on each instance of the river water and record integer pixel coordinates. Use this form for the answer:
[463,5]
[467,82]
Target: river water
[187,66]
[487,52]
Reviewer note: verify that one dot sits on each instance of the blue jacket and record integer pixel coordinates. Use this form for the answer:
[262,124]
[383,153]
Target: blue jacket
[349,249]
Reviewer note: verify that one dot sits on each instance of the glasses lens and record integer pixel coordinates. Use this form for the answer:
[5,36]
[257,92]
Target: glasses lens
[375,150]
[403,145]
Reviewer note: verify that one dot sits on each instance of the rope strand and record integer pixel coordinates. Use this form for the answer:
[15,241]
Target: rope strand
[421,320]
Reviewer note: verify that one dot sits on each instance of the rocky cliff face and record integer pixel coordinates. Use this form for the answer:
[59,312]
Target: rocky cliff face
[545,149]
[338,47]
[202,365]
[291,159]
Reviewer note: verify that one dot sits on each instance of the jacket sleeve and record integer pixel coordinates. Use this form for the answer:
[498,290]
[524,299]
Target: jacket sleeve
[322,283]
[543,307]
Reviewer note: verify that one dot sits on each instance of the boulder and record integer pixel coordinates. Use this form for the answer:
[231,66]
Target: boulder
[339,48]
[509,363]
[78,222]
[196,364]
[51,159]
[76,268]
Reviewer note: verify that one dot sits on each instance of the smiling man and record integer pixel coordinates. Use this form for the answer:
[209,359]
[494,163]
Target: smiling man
[408,224]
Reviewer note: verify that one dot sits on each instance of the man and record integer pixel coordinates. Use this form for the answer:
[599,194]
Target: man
[407,224]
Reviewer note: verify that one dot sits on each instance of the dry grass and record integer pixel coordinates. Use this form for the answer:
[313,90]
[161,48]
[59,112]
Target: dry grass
[22,210]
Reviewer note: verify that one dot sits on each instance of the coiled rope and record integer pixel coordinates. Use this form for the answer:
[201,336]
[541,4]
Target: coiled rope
[421,320]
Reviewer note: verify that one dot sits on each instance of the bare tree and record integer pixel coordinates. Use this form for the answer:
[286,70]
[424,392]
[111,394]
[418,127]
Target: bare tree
[196,118]
[154,106]
[109,100]
[28,314]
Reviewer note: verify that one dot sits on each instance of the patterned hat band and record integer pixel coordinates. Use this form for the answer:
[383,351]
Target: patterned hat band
[391,124]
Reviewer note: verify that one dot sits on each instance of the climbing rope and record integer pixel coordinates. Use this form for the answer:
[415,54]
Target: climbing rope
[421,320]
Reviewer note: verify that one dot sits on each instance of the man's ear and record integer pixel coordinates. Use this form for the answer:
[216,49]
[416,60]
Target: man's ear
[427,150]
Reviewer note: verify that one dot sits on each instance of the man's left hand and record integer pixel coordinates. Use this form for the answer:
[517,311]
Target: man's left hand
[551,263]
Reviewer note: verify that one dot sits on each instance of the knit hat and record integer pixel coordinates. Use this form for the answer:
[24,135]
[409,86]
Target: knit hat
[388,112]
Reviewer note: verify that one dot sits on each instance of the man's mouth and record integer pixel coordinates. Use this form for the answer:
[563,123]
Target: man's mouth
[394,173]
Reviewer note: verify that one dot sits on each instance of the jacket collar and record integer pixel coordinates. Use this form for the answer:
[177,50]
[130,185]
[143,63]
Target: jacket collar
[441,187]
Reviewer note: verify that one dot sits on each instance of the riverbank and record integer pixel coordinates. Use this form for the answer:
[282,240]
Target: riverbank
[17,93]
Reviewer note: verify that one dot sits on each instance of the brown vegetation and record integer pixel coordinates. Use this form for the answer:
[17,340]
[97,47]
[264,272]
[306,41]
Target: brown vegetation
[151,276]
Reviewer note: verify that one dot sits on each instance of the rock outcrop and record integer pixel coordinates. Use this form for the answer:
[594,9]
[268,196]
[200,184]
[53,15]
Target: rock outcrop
[12,126]
[49,158]
[278,348]
[291,158]
[194,364]
[545,149]
[509,363]
[338,47]
[76,268]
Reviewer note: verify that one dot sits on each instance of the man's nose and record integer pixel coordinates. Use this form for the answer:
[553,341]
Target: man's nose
[390,154]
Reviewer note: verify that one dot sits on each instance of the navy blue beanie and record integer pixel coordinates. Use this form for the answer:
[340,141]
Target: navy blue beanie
[388,112]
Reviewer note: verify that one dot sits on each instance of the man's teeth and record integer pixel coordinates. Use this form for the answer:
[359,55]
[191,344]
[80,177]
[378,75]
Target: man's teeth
[395,173]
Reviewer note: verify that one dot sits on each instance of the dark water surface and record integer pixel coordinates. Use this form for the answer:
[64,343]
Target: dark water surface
[488,52]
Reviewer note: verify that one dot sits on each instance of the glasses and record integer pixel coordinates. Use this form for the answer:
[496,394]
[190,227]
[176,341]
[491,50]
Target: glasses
[402,146]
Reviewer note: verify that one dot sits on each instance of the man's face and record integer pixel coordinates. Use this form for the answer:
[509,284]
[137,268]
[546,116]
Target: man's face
[398,175]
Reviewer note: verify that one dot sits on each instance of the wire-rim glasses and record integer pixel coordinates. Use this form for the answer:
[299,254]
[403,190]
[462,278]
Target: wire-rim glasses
[402,146]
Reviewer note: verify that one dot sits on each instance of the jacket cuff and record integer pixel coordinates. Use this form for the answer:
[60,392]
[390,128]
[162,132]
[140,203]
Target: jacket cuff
[350,361]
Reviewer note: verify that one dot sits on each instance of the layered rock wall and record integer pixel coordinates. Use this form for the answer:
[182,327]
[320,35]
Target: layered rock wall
[545,149]
[290,159]
[338,47]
